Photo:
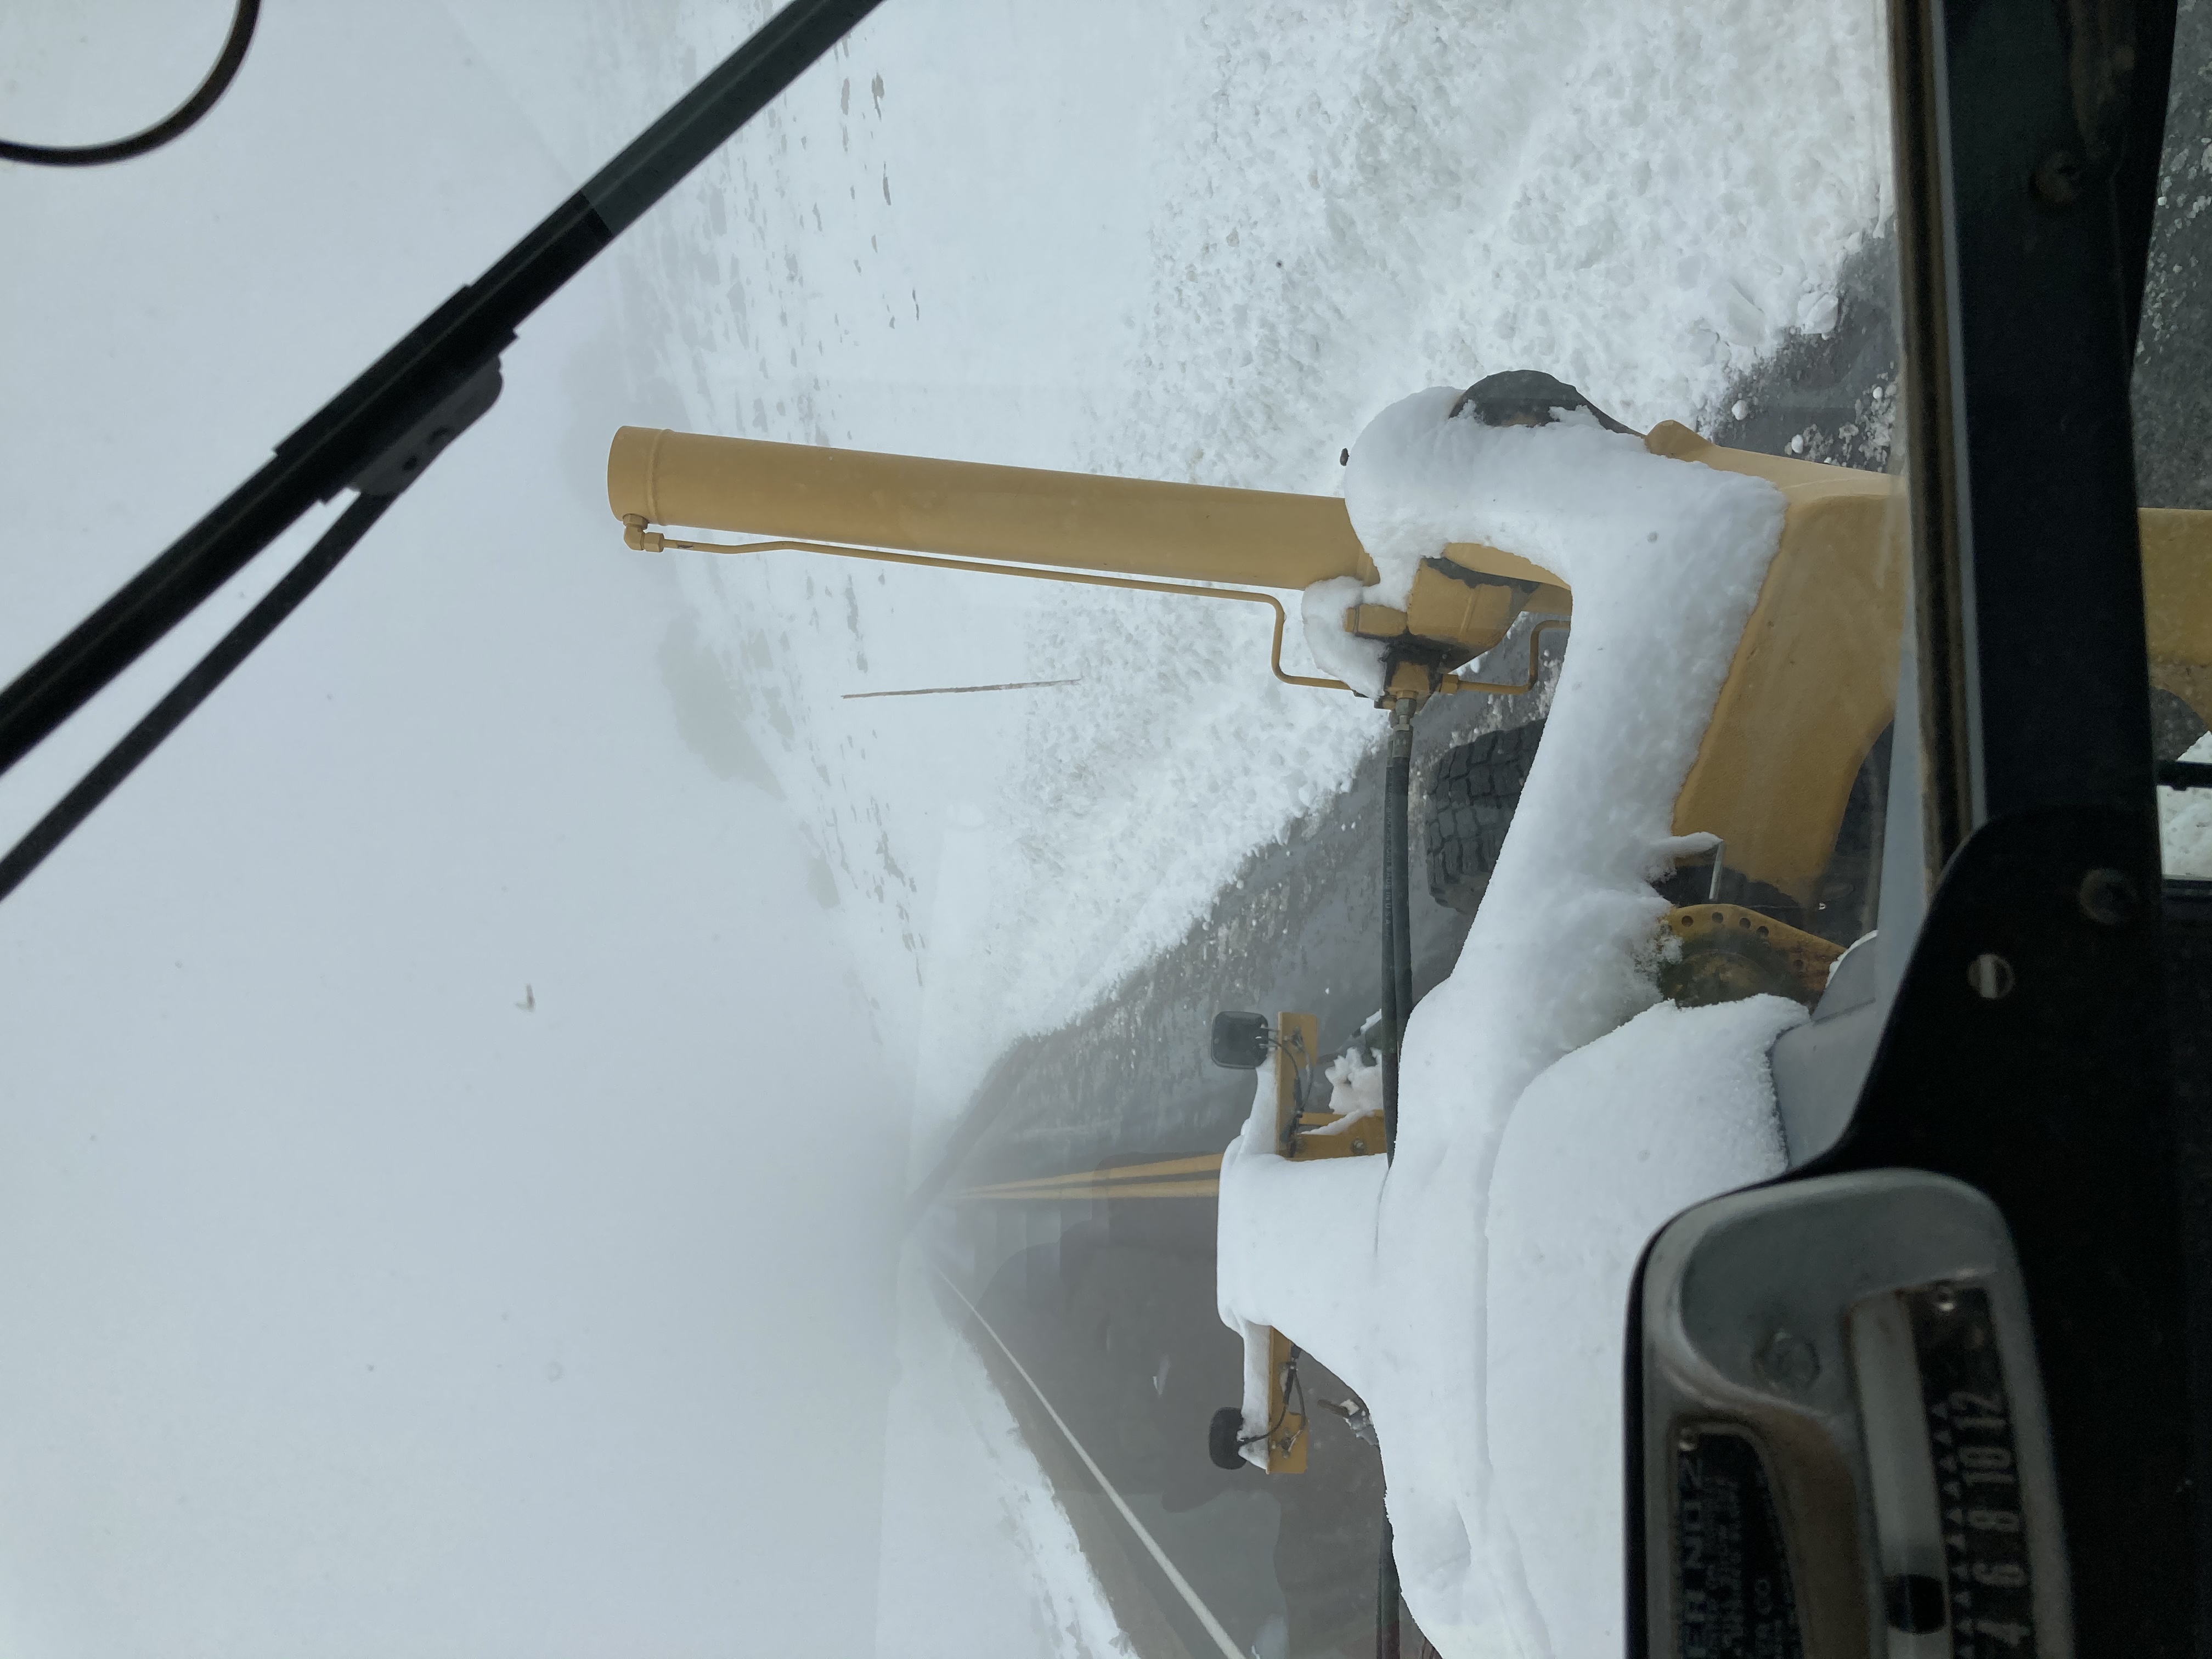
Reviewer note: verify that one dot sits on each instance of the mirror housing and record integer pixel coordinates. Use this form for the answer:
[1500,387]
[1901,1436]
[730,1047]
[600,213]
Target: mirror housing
[1242,1042]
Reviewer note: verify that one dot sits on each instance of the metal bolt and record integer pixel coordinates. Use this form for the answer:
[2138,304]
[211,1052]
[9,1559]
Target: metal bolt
[1990,976]
[2108,896]
[1945,1299]
[1685,1440]
[2058,179]
[1788,1361]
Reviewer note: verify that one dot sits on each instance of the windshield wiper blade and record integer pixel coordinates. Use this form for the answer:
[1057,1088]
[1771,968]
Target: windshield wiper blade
[379,414]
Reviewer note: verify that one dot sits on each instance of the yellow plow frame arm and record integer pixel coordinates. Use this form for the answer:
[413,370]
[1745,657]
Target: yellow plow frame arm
[1813,683]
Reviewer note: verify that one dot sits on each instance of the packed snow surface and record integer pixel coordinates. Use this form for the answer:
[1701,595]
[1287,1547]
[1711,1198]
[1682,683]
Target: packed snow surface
[1553,1112]
[1355,1091]
[1603,1148]
[978,1555]
[2184,824]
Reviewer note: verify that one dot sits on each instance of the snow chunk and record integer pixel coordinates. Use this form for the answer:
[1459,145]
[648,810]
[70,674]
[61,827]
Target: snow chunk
[1387,1277]
[978,1553]
[1603,1150]
[2184,824]
[1356,1092]
[1291,1217]
[1357,662]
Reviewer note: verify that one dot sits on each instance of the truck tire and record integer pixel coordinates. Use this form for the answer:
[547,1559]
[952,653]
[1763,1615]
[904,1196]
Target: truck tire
[1472,793]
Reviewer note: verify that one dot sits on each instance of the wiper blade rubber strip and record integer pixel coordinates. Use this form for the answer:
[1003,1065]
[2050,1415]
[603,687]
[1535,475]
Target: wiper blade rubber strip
[448,349]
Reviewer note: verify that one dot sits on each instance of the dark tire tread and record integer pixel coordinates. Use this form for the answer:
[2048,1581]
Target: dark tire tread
[1473,790]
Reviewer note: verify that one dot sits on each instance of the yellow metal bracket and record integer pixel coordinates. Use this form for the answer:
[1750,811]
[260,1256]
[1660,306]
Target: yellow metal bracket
[1286,1429]
[1297,1047]
[1729,952]
[1459,682]
[1363,1139]
[1298,1038]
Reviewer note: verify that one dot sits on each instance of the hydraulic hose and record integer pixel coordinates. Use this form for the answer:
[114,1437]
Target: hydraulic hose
[1397,1007]
[1397,928]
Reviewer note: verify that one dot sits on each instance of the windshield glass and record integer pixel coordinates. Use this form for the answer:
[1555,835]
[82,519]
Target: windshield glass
[2171,468]
[739,1073]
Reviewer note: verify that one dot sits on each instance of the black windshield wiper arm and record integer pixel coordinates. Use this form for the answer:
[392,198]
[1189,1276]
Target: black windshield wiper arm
[377,415]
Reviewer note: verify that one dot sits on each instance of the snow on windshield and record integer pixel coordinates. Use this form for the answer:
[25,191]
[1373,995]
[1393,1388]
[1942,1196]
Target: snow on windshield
[557,850]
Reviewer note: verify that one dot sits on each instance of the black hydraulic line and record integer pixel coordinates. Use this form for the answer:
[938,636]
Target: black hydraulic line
[2185,775]
[1387,1620]
[449,348]
[166,715]
[175,125]
[1397,925]
[1391,1021]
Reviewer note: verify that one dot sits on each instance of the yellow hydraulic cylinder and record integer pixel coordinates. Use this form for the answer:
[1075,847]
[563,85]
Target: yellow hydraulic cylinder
[1132,526]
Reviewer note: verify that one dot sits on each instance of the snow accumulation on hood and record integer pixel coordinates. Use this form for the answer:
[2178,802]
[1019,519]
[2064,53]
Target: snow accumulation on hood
[1553,1112]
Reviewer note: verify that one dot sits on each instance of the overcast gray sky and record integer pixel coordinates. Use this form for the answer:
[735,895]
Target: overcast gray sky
[445,1160]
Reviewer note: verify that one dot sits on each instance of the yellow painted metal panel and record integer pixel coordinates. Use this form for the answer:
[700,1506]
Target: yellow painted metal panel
[2177,553]
[1297,1045]
[1363,1140]
[1497,561]
[1286,1437]
[1474,616]
[1814,675]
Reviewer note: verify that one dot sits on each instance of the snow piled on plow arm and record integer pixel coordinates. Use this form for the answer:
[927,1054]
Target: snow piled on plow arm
[1553,1112]
[1179,242]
